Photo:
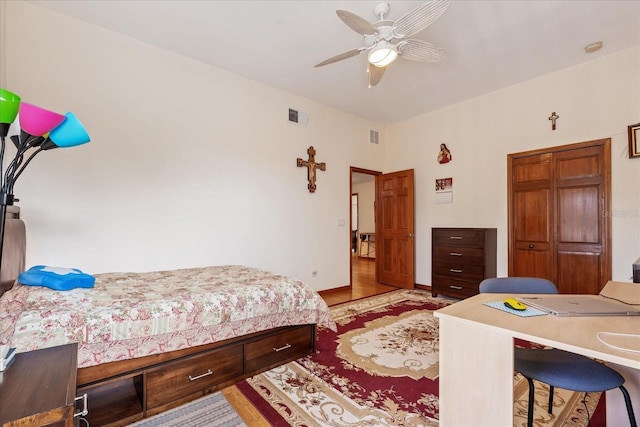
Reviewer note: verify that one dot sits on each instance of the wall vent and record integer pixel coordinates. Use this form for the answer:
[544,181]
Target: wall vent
[298,117]
[373,136]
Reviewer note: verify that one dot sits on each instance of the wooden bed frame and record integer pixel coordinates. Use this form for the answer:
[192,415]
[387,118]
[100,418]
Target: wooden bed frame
[119,393]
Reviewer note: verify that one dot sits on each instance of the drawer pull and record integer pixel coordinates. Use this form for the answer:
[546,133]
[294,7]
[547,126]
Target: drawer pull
[85,410]
[455,237]
[453,270]
[459,288]
[206,374]
[455,254]
[284,347]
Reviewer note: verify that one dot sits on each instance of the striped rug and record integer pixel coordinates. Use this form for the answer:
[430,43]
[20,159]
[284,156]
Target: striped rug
[212,410]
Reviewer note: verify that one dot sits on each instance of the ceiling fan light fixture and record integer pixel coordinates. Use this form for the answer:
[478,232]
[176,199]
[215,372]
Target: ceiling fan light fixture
[383,54]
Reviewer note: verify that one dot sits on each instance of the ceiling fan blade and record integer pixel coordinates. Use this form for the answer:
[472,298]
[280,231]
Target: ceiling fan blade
[340,57]
[356,23]
[375,74]
[420,18]
[418,50]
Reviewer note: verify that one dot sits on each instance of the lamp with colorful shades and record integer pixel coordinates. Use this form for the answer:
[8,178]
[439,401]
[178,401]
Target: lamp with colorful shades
[40,130]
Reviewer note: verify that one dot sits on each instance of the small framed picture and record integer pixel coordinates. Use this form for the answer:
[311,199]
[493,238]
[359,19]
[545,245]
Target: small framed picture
[634,140]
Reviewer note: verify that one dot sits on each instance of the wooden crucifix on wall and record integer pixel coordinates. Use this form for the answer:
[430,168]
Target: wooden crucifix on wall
[311,166]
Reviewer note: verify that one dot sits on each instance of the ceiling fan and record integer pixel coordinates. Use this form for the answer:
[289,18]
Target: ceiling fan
[387,40]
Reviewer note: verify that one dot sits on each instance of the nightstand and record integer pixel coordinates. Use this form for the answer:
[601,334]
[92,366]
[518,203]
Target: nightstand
[39,388]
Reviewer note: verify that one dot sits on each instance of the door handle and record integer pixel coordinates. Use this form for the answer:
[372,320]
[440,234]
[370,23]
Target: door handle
[410,235]
[531,246]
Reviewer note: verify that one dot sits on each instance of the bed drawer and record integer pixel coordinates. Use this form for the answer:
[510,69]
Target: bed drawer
[287,345]
[192,374]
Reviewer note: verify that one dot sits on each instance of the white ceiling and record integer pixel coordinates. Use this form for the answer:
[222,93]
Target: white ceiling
[491,44]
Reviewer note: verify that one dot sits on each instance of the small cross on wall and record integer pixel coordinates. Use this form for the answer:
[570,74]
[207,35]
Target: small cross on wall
[553,119]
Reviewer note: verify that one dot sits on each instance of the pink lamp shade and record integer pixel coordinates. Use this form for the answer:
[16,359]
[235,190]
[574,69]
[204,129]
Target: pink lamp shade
[70,133]
[37,121]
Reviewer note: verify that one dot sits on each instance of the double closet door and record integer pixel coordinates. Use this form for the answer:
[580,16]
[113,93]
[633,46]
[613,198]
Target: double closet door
[559,215]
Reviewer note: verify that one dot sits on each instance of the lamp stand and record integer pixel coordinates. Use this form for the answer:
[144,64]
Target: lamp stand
[3,219]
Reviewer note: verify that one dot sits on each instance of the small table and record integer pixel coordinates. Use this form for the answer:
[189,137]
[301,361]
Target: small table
[39,388]
[370,240]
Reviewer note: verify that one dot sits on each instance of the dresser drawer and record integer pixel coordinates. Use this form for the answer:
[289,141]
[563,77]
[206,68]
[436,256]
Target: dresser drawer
[459,254]
[454,287]
[288,344]
[459,271]
[458,237]
[193,374]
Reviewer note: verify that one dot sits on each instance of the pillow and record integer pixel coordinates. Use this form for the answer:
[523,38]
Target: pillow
[60,279]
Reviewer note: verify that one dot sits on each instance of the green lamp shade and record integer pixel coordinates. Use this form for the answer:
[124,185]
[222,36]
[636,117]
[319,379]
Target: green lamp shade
[9,106]
[37,121]
[70,133]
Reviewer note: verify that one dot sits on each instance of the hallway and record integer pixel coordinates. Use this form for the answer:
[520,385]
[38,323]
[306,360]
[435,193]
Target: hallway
[363,283]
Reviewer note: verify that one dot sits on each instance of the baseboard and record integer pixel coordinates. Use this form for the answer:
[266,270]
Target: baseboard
[334,290]
[346,288]
[423,287]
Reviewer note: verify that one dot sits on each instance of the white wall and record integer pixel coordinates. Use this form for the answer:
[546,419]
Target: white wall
[189,165]
[366,198]
[598,99]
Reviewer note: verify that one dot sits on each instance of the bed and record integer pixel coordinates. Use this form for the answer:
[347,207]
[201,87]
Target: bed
[151,341]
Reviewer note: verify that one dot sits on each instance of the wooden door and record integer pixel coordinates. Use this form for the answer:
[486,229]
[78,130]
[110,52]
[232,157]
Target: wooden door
[395,230]
[558,226]
[531,214]
[583,239]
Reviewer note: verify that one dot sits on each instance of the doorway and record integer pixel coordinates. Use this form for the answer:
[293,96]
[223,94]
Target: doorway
[362,223]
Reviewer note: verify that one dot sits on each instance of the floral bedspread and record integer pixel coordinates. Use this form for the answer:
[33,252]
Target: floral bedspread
[128,315]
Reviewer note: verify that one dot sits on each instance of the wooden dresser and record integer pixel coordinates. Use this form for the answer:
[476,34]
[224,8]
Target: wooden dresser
[461,259]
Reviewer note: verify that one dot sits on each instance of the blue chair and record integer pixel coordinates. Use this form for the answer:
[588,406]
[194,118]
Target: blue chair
[554,367]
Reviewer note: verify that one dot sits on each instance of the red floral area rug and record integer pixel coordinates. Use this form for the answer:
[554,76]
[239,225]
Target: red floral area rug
[381,369]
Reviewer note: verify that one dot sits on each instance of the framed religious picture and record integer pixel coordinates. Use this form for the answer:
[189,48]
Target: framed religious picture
[634,140]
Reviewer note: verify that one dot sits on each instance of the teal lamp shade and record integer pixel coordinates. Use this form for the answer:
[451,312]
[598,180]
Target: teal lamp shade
[9,107]
[37,121]
[70,133]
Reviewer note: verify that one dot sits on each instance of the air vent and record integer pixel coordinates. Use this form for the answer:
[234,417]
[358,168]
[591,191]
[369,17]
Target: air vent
[298,117]
[373,136]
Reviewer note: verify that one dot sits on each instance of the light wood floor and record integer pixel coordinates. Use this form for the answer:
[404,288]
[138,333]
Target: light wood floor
[363,284]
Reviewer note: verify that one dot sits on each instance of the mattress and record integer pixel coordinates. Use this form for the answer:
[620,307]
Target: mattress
[129,315]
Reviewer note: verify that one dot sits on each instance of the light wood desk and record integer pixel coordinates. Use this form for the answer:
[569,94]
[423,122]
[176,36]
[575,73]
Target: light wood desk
[476,358]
